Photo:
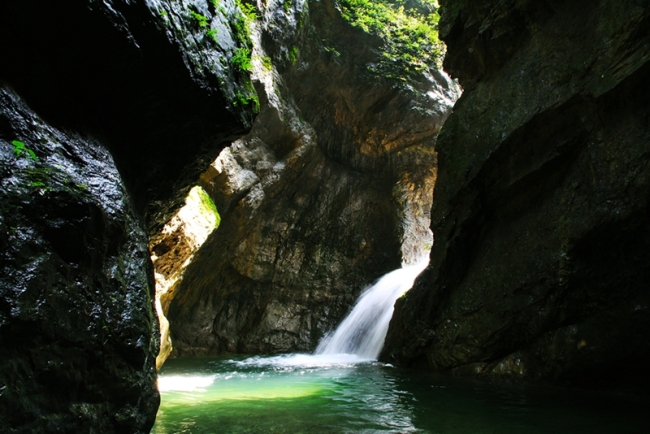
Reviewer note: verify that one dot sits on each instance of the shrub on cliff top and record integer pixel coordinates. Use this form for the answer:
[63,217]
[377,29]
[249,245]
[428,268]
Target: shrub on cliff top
[407,28]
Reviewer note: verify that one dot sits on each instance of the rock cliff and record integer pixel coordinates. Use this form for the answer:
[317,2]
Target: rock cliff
[330,190]
[109,112]
[540,268]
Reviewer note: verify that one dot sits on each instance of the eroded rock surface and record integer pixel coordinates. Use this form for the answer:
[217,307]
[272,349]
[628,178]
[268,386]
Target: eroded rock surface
[539,268]
[172,250]
[329,191]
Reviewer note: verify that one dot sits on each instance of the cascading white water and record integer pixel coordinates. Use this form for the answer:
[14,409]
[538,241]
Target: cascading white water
[363,331]
[361,335]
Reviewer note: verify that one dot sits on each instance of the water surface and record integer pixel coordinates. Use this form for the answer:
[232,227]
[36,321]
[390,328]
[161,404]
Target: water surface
[315,394]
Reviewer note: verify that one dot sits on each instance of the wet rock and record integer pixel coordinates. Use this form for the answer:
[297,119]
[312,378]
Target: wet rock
[145,88]
[329,191]
[144,75]
[539,269]
[76,311]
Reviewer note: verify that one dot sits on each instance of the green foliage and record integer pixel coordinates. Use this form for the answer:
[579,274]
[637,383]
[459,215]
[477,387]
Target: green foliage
[408,30]
[287,5]
[240,99]
[242,26]
[218,7]
[19,147]
[249,11]
[293,55]
[48,178]
[242,59]
[42,176]
[333,51]
[204,23]
[212,34]
[202,20]
[243,23]
[206,206]
[250,98]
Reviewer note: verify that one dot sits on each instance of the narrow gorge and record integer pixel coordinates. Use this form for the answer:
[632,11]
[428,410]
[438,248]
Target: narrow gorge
[208,186]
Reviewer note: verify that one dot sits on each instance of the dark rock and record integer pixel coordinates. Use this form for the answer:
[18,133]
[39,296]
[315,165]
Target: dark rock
[329,191]
[539,268]
[139,87]
[76,311]
[143,75]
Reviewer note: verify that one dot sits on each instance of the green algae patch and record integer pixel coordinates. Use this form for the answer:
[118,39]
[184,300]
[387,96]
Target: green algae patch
[206,207]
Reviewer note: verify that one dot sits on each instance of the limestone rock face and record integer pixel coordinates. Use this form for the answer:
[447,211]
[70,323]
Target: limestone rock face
[330,190]
[540,264]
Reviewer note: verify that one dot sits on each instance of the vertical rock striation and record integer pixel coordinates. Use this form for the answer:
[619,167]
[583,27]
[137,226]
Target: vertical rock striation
[540,264]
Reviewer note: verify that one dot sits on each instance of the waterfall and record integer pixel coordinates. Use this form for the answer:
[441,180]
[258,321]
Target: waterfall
[363,331]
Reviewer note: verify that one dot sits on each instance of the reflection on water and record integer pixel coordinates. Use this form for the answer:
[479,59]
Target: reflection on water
[305,394]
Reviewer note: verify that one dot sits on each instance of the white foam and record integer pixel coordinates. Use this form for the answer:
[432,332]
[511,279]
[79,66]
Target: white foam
[305,360]
[185,383]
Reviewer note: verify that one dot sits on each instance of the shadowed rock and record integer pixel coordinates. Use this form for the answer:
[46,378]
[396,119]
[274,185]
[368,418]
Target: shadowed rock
[131,102]
[539,268]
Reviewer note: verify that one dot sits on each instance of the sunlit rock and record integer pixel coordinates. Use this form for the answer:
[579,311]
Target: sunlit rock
[173,249]
[330,190]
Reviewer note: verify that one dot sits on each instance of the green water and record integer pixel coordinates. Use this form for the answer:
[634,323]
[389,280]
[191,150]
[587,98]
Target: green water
[277,395]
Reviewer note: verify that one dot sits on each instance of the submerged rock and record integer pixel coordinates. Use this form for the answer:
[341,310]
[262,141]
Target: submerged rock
[539,269]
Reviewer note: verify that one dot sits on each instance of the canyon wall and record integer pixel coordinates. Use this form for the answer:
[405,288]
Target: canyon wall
[109,112]
[329,191]
[539,269]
